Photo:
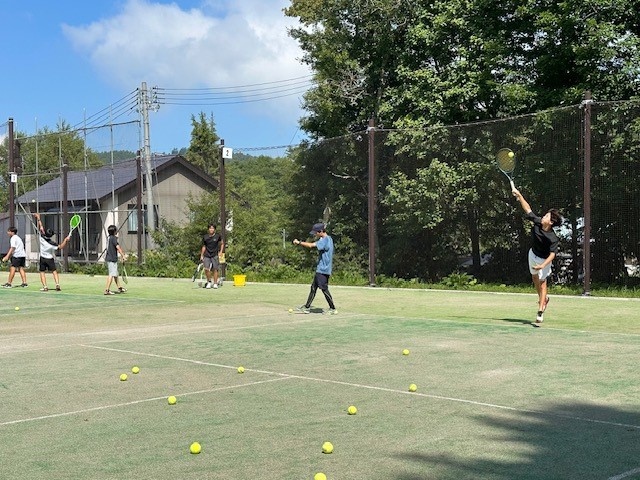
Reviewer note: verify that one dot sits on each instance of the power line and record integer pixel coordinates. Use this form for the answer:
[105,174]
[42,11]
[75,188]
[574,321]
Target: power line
[247,92]
[239,86]
[194,102]
[107,111]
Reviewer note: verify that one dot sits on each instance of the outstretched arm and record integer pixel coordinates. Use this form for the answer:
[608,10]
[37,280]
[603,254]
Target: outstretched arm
[304,244]
[64,242]
[40,226]
[523,203]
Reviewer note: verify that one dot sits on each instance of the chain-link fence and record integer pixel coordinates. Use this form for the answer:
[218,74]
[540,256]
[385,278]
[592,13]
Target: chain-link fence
[87,171]
[443,207]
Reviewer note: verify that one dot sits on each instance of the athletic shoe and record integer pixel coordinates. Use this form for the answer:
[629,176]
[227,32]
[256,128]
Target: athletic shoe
[109,292]
[24,285]
[121,290]
[208,285]
[333,311]
[58,288]
[215,285]
[44,289]
[6,285]
[539,319]
[303,309]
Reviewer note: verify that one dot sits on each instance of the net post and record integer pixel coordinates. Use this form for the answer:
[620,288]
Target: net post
[371,197]
[586,242]
[140,215]
[223,207]
[65,210]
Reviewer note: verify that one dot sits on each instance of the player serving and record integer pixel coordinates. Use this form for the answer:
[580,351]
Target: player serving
[542,252]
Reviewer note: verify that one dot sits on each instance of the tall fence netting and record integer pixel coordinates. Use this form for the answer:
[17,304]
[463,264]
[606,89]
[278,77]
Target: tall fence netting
[443,207]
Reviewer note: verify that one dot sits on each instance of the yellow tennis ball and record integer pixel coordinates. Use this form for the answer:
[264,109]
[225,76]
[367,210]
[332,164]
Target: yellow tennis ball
[319,476]
[17,308]
[405,351]
[511,154]
[413,387]
[352,410]
[195,448]
[240,369]
[135,370]
[172,400]
[327,447]
[123,377]
[291,310]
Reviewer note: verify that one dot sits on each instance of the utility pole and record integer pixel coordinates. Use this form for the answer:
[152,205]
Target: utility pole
[13,178]
[144,111]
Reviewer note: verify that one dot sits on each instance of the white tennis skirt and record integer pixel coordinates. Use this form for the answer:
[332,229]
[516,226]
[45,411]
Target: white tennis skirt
[536,260]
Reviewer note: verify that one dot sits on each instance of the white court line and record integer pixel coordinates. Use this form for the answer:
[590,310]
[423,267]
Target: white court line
[625,474]
[133,329]
[188,332]
[381,389]
[135,402]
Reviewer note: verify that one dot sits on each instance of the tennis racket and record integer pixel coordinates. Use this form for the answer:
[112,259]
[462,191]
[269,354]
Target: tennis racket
[506,163]
[326,215]
[125,277]
[197,271]
[74,223]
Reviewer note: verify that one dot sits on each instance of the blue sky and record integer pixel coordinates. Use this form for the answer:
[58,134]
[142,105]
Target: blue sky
[67,60]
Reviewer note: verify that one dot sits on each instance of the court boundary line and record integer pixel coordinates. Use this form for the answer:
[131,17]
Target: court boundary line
[625,474]
[376,388]
[341,317]
[464,292]
[203,329]
[136,402]
[125,330]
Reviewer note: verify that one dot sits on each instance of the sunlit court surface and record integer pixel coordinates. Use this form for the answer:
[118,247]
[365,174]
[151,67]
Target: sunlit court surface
[494,397]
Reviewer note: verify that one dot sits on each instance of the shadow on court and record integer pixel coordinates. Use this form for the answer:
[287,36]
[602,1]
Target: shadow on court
[568,441]
[516,320]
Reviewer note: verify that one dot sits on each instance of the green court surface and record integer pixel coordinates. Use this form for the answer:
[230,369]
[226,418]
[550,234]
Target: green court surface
[496,398]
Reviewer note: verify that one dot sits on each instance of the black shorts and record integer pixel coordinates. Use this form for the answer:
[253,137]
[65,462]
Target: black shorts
[47,264]
[18,262]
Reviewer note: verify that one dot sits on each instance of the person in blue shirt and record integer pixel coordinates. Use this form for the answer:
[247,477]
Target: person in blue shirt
[324,245]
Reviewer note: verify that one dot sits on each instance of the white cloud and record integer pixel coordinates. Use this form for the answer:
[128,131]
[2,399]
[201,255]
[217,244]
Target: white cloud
[224,43]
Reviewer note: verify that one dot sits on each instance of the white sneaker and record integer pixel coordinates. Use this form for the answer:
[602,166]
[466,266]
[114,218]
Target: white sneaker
[208,285]
[539,319]
[215,285]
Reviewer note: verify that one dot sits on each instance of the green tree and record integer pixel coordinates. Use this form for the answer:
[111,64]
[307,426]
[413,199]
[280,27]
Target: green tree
[43,155]
[203,150]
[416,65]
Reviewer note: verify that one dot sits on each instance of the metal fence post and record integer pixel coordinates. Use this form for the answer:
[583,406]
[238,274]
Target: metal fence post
[586,240]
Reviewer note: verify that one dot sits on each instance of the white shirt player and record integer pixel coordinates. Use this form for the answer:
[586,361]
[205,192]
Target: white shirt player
[18,247]
[47,248]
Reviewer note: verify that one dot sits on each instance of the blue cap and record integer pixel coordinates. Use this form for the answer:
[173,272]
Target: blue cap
[318,227]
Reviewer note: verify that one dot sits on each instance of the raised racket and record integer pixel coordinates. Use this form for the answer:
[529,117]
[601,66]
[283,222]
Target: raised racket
[74,223]
[506,163]
[326,215]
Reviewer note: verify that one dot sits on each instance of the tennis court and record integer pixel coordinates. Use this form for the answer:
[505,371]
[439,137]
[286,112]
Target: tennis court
[495,399]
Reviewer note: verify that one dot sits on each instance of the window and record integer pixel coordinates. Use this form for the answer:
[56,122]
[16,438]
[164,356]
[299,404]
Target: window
[132,221]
